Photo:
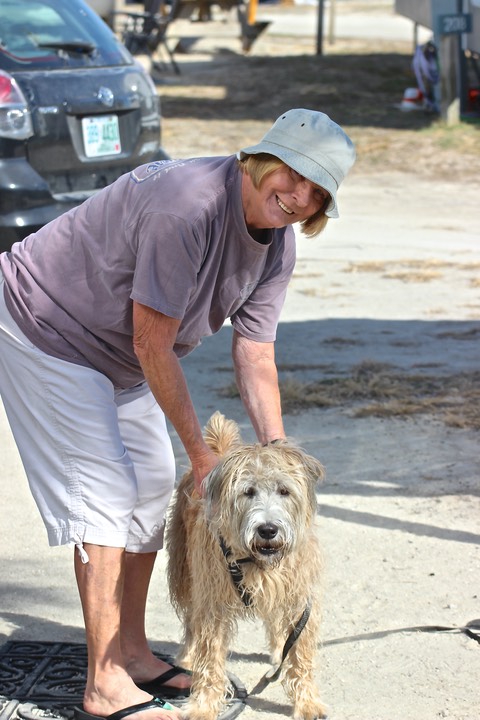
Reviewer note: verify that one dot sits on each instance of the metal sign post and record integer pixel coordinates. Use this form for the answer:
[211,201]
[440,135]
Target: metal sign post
[320,28]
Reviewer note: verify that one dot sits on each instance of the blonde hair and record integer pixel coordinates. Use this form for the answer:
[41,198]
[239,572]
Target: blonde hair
[257,167]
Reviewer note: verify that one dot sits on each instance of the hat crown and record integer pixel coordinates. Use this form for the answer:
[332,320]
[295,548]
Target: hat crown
[312,144]
[313,134]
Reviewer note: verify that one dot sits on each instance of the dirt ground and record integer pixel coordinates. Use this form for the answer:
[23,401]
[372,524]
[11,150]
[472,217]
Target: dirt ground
[379,349]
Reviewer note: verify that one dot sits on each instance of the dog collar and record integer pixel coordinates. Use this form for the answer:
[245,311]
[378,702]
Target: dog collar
[236,572]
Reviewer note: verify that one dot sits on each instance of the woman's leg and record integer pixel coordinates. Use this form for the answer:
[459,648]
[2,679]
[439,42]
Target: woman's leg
[145,435]
[109,686]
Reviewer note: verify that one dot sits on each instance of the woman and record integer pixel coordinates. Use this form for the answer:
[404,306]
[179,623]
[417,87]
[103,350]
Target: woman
[97,308]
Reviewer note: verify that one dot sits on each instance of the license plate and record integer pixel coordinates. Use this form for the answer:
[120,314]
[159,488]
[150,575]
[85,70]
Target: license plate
[101,135]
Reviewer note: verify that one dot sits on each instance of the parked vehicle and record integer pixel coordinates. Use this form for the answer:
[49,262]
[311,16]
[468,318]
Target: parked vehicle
[76,111]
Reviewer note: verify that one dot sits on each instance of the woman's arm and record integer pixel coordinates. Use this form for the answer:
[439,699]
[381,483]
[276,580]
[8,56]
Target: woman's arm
[257,381]
[154,336]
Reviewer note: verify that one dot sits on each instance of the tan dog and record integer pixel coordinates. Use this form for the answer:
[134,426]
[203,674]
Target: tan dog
[255,525]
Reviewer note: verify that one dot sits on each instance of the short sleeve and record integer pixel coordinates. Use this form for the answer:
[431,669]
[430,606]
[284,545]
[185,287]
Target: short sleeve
[257,319]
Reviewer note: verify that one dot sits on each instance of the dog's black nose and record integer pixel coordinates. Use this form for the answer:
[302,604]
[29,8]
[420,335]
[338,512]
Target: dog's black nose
[267,531]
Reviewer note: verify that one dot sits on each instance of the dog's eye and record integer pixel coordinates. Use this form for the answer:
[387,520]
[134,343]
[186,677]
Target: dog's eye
[250,492]
[283,491]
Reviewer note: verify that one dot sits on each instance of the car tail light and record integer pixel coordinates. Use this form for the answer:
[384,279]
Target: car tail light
[15,117]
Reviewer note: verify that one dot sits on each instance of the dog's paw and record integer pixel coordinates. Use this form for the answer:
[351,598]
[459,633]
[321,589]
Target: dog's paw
[313,710]
[204,708]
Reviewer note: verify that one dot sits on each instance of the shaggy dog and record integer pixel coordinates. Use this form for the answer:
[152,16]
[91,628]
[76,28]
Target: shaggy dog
[248,549]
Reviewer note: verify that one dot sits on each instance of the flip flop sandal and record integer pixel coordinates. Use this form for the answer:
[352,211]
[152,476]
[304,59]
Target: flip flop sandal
[81,714]
[157,685]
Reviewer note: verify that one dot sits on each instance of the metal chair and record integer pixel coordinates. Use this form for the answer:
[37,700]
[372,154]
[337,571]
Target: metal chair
[145,33]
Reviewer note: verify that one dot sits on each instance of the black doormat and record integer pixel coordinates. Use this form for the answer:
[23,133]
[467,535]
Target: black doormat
[47,679]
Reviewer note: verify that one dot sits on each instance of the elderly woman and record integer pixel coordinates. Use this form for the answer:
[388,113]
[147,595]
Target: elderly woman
[96,309]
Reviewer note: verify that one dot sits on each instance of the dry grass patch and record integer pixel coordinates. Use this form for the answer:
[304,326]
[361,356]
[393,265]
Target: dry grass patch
[410,270]
[372,266]
[383,390]
[415,277]
[299,275]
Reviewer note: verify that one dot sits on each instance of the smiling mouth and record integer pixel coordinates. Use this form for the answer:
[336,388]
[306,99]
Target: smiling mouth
[284,207]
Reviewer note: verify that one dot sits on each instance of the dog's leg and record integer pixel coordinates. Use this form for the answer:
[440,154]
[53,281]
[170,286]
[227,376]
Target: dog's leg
[299,680]
[274,630]
[184,657]
[208,653]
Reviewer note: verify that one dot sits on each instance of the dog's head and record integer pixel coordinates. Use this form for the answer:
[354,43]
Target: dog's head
[261,500]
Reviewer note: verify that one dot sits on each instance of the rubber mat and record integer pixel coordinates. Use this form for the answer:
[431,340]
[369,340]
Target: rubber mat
[46,680]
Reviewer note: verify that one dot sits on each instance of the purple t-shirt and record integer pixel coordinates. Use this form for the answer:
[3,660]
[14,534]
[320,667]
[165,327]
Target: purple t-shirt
[170,235]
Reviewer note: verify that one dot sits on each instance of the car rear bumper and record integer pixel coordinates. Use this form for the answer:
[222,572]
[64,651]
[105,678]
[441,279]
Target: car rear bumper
[26,202]
[18,224]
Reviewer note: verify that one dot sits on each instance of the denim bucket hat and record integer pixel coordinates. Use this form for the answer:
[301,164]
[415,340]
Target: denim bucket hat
[313,145]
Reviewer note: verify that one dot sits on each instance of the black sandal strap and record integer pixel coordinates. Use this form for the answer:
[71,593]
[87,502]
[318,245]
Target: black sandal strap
[132,709]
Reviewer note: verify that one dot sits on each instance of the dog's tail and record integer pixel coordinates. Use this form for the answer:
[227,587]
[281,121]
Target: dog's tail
[221,434]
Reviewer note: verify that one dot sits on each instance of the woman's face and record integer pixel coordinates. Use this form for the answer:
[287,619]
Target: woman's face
[284,197]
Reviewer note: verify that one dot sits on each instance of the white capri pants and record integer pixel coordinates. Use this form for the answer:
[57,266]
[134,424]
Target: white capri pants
[99,462]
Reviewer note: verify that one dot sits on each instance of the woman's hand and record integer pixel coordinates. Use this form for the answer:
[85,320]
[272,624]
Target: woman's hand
[201,467]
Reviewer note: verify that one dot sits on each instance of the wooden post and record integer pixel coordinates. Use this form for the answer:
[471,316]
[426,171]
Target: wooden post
[448,57]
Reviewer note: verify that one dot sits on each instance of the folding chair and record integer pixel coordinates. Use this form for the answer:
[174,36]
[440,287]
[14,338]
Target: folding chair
[145,32]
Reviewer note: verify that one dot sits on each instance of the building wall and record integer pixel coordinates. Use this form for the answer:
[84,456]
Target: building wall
[421,12]
[417,10]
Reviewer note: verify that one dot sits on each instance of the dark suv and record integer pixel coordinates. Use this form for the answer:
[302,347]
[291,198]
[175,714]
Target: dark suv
[76,111]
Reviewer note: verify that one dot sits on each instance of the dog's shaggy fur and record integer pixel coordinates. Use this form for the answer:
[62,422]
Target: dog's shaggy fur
[261,501]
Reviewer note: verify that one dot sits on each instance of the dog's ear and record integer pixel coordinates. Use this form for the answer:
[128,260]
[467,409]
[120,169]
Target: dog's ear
[313,469]
[212,488]
[219,483]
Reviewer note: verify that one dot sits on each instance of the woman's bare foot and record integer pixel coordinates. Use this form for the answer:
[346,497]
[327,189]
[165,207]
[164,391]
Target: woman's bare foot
[116,691]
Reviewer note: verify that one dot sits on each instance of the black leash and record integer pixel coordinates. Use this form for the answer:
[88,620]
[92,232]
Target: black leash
[291,640]
[237,576]
[274,673]
[468,629]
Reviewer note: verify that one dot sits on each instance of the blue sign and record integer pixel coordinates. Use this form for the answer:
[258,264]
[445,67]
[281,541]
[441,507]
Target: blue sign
[455,24]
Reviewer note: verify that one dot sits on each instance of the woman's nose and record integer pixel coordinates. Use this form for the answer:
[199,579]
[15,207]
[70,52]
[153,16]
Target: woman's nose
[303,193]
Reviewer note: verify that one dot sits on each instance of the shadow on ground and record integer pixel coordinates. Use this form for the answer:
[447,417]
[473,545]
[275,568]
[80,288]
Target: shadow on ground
[354,89]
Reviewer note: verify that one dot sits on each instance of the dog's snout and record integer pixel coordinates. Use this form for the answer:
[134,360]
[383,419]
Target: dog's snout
[268,531]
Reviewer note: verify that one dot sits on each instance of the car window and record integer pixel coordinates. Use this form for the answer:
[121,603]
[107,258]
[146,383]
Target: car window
[54,34]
